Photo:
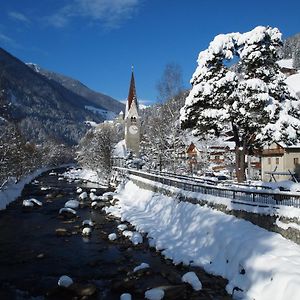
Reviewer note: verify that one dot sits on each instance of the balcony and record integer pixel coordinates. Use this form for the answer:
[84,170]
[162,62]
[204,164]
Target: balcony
[273,152]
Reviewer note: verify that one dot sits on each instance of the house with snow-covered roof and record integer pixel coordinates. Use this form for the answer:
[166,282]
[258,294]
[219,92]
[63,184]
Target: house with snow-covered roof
[280,162]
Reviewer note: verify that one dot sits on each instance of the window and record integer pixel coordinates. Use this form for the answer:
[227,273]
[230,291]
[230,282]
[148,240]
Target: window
[269,160]
[296,161]
[277,160]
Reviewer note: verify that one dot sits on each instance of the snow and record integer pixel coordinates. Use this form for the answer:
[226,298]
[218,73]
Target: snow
[278,210]
[88,222]
[79,190]
[84,174]
[286,63]
[65,281]
[141,267]
[67,209]
[293,82]
[27,203]
[120,149]
[83,196]
[11,191]
[31,202]
[91,123]
[112,236]
[193,280]
[286,226]
[108,115]
[86,231]
[135,237]
[122,227]
[72,204]
[263,264]
[125,296]
[155,294]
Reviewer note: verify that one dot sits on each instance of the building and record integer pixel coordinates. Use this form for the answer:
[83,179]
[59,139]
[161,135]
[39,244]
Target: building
[132,120]
[280,162]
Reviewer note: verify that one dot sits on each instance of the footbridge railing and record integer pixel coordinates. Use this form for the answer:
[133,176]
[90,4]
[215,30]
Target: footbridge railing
[236,194]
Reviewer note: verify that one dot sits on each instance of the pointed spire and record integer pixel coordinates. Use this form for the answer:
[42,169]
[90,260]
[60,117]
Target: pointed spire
[132,92]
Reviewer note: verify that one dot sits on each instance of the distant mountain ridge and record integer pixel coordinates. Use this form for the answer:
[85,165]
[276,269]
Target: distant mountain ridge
[98,99]
[46,105]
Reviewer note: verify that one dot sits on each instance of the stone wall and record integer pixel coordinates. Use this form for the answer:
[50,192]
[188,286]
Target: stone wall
[264,221]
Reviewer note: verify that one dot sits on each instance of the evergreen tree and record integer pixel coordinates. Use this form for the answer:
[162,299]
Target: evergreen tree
[254,104]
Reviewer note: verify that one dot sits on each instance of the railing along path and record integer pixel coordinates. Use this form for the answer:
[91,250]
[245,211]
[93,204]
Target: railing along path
[188,183]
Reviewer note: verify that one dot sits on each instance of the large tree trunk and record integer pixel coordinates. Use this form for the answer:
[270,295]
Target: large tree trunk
[240,164]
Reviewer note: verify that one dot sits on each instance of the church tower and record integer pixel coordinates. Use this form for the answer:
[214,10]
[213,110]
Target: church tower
[132,120]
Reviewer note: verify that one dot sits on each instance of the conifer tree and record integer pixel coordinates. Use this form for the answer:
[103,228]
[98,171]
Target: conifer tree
[254,103]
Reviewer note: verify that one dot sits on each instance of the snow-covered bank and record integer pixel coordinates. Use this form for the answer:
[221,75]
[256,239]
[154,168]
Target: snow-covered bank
[85,174]
[262,264]
[270,210]
[12,191]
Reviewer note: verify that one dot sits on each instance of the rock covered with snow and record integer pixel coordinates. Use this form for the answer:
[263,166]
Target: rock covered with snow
[88,223]
[155,294]
[65,281]
[193,280]
[72,204]
[141,267]
[67,211]
[86,231]
[83,196]
[134,236]
[122,227]
[79,190]
[32,202]
[112,236]
[125,296]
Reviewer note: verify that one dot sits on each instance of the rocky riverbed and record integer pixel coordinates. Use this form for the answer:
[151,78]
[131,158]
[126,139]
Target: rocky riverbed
[38,245]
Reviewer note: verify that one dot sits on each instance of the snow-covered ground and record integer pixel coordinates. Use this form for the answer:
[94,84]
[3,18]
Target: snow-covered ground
[108,115]
[258,264]
[12,191]
[84,174]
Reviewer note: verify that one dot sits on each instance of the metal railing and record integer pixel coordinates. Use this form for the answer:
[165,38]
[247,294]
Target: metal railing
[187,183]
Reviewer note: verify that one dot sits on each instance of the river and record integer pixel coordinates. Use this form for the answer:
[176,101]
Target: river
[33,254]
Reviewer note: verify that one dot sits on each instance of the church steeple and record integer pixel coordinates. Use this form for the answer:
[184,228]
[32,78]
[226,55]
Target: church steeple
[132,120]
[132,93]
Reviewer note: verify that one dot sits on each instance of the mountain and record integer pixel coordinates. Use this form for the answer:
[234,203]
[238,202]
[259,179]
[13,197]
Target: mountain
[96,99]
[47,108]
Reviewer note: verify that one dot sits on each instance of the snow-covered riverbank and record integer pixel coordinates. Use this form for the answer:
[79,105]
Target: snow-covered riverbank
[258,264]
[12,191]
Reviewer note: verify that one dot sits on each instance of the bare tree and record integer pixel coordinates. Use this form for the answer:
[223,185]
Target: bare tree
[170,83]
[96,149]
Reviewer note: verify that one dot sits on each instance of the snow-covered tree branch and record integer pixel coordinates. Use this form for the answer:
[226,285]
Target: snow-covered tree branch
[254,103]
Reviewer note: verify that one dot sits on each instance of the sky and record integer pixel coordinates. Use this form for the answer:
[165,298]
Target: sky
[97,41]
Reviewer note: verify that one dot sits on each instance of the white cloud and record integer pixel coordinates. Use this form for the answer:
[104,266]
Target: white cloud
[110,13]
[18,17]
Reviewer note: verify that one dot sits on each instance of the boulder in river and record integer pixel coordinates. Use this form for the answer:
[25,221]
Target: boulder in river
[65,281]
[67,212]
[72,204]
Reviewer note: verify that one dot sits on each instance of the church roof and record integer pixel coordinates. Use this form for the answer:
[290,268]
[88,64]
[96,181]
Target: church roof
[132,92]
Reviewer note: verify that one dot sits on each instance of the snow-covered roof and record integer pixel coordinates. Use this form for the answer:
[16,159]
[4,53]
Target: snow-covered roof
[293,82]
[286,63]
[283,145]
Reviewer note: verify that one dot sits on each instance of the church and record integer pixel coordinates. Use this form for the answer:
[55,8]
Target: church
[132,120]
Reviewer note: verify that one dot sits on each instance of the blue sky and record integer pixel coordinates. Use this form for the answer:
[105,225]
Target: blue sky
[97,41]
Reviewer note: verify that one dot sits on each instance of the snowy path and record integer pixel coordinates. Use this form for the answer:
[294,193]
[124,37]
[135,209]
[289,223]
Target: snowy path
[262,264]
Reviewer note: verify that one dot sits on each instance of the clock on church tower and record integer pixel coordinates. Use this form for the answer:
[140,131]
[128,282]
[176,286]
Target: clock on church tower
[132,120]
